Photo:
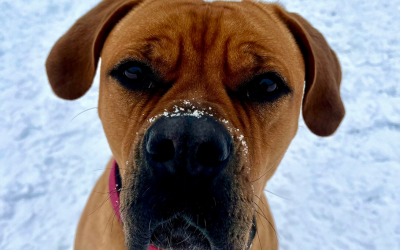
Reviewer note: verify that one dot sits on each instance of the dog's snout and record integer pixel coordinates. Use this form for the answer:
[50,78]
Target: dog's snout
[185,145]
[161,150]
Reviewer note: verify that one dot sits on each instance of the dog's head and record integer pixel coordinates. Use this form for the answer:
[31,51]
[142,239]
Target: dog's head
[199,102]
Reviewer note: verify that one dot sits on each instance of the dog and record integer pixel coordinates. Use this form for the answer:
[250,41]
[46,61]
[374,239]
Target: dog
[199,102]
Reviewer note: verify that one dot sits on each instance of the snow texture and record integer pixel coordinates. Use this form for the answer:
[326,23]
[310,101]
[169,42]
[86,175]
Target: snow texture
[341,192]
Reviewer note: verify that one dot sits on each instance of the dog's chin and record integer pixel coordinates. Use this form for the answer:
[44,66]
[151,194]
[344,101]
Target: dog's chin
[179,234]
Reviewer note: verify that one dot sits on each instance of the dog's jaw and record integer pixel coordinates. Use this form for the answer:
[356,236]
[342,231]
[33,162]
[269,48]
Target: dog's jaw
[173,222]
[162,213]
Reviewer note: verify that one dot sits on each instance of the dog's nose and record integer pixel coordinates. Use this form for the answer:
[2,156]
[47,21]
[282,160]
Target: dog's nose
[199,147]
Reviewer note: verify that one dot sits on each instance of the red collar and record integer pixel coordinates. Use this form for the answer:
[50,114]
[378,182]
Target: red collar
[113,189]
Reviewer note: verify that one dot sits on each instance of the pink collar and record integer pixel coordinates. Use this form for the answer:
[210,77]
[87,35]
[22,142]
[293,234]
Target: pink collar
[113,190]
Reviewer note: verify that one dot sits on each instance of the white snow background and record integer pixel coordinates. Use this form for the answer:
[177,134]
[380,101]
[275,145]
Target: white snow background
[341,192]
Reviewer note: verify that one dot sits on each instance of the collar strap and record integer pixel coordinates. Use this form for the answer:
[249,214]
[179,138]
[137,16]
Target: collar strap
[114,186]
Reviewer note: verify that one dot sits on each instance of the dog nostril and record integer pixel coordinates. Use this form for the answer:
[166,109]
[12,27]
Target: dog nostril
[161,151]
[210,155]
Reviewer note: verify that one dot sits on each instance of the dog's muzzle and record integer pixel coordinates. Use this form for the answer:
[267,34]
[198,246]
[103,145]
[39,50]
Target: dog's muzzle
[185,193]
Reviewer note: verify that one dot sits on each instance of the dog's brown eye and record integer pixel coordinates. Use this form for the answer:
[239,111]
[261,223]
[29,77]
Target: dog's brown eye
[135,74]
[267,85]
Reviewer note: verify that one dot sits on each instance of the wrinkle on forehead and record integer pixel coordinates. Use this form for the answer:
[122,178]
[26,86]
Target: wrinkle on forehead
[225,41]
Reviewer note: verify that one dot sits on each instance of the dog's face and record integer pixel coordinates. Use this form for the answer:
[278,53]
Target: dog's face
[202,74]
[199,102]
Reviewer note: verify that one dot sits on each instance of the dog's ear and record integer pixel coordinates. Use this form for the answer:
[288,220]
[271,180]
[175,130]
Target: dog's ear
[323,109]
[72,62]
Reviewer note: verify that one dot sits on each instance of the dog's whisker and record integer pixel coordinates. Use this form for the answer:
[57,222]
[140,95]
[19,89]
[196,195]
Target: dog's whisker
[97,192]
[159,241]
[266,207]
[146,191]
[258,236]
[258,213]
[82,113]
[187,226]
[111,194]
[169,241]
[277,195]
[108,221]
[100,192]
[101,204]
[267,220]
[150,226]
[215,202]
[260,209]
[262,175]
[260,200]
[112,221]
[185,239]
[102,169]
[262,224]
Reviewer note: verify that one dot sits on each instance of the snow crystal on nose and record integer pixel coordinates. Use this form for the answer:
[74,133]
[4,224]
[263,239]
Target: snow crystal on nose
[187,108]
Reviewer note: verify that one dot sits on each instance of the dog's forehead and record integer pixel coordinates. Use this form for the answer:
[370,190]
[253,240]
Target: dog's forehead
[205,37]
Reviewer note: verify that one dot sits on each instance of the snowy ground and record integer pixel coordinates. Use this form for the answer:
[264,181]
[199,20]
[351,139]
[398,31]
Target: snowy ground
[341,192]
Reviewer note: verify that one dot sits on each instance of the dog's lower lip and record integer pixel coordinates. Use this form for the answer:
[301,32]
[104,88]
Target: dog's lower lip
[178,233]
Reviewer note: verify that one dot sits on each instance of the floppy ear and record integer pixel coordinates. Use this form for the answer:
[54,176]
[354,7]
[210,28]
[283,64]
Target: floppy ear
[71,64]
[323,109]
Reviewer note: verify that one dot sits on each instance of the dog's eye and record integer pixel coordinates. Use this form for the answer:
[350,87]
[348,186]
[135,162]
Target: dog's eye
[266,87]
[134,74]
[135,77]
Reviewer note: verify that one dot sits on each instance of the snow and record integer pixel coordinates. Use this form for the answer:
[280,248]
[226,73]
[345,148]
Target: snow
[341,192]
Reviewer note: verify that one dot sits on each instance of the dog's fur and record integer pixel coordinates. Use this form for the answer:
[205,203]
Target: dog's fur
[204,51]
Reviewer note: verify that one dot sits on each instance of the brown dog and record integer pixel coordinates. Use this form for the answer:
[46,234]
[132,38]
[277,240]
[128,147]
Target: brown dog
[199,102]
